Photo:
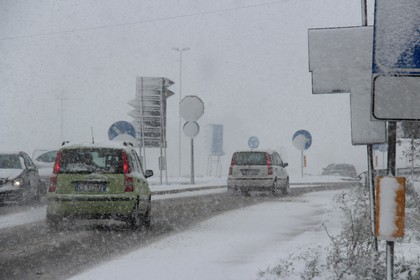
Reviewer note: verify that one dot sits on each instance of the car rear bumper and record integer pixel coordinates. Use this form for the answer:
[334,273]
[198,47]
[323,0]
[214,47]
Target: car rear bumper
[93,206]
[251,184]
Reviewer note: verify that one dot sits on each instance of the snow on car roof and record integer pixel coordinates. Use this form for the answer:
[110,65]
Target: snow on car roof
[107,144]
[270,151]
[11,152]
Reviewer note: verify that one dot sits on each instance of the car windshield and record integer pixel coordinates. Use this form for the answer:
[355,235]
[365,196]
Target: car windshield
[101,160]
[250,158]
[10,162]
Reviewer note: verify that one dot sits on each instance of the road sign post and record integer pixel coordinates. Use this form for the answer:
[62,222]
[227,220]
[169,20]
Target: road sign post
[396,75]
[150,114]
[191,109]
[302,140]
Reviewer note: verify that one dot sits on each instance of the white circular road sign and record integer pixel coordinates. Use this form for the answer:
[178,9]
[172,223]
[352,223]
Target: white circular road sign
[191,129]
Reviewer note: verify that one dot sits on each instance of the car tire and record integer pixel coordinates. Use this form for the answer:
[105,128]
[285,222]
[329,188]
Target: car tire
[275,190]
[286,188]
[53,222]
[147,218]
[231,191]
[138,220]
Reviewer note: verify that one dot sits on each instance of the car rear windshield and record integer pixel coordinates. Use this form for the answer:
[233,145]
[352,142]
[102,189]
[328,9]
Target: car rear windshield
[250,158]
[88,160]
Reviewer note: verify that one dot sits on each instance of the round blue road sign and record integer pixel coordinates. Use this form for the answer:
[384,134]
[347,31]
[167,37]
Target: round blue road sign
[253,142]
[121,127]
[302,139]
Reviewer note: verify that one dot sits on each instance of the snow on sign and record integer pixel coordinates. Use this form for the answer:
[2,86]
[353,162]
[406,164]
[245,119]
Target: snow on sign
[396,60]
[302,139]
[390,207]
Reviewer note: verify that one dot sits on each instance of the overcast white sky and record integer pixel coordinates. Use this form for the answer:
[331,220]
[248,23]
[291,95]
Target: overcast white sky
[248,62]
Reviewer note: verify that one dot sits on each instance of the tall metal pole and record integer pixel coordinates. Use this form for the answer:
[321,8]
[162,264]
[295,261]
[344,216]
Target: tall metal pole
[180,50]
[301,163]
[370,175]
[371,186]
[62,99]
[392,141]
[192,161]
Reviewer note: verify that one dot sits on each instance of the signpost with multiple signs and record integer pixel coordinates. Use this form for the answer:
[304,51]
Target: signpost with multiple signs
[191,108]
[150,115]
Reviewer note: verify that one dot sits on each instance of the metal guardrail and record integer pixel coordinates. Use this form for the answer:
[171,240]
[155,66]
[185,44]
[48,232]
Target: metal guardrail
[312,187]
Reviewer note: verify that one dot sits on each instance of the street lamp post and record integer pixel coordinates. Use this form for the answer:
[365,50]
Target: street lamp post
[180,50]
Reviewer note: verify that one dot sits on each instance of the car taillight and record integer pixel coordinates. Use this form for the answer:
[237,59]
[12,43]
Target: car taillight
[53,184]
[126,165]
[128,184]
[129,187]
[269,167]
[56,168]
[232,163]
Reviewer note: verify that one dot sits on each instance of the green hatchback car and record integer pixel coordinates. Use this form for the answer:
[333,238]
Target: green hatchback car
[99,181]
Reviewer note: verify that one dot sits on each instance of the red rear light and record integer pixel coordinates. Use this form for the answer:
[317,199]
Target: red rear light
[129,184]
[56,168]
[232,163]
[53,184]
[126,169]
[269,167]
[126,165]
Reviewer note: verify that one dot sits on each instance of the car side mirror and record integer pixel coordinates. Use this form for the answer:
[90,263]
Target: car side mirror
[285,164]
[148,173]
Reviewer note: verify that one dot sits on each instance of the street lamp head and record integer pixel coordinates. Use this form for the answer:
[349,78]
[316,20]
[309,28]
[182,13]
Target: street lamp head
[181,49]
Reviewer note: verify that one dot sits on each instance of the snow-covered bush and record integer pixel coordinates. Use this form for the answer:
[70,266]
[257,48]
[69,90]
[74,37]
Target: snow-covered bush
[352,254]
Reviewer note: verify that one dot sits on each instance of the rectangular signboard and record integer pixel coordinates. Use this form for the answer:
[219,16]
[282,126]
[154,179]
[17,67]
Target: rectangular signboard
[396,60]
[340,60]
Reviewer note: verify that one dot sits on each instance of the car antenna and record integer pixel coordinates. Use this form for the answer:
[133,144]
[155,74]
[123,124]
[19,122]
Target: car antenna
[93,139]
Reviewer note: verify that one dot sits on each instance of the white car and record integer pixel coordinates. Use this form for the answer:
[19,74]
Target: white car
[44,160]
[258,170]
[19,179]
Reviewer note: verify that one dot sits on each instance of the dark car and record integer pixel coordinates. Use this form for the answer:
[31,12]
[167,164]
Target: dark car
[340,169]
[19,178]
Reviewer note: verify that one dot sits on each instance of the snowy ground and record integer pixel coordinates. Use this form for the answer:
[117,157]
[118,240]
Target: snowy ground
[235,245]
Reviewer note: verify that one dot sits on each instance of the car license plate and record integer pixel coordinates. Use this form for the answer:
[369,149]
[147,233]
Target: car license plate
[249,172]
[90,186]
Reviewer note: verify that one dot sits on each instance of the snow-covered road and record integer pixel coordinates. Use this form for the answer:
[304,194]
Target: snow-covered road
[234,245]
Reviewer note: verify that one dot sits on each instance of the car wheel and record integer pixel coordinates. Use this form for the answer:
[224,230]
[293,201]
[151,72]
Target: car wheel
[231,191]
[147,218]
[135,219]
[275,190]
[139,220]
[53,222]
[286,188]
